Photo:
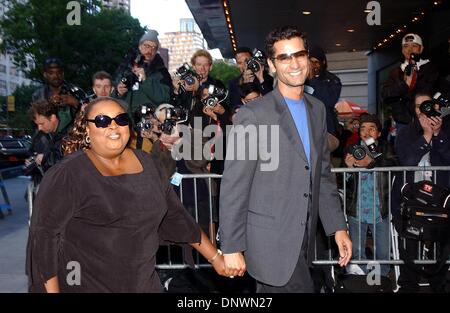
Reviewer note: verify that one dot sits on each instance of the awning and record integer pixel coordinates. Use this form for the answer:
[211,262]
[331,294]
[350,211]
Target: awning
[348,108]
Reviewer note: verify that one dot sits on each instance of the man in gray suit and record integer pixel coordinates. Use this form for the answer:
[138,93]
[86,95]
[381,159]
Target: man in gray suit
[270,214]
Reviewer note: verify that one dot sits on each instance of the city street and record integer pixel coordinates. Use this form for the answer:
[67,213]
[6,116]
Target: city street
[13,238]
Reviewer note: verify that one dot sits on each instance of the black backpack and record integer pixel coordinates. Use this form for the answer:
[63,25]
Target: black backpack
[425,210]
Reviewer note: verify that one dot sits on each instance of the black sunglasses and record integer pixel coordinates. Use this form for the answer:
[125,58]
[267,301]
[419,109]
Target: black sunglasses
[103,121]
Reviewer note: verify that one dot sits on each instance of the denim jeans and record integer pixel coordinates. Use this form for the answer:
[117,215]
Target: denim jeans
[381,238]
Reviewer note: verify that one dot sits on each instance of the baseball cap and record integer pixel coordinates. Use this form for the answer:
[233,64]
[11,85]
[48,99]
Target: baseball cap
[412,38]
[52,62]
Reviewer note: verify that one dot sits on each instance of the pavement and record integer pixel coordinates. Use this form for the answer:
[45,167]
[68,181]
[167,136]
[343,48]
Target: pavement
[13,237]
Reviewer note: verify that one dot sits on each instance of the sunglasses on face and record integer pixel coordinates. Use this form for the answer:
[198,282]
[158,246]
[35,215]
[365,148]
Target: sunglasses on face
[287,58]
[103,121]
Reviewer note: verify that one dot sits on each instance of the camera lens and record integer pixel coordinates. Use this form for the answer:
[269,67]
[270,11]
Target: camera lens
[359,153]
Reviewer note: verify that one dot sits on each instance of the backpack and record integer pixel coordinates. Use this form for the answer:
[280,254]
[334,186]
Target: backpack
[425,210]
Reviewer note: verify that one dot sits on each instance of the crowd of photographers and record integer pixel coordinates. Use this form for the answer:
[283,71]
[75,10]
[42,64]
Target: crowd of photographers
[158,103]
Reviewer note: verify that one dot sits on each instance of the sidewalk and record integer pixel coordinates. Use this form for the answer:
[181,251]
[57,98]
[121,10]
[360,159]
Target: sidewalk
[13,238]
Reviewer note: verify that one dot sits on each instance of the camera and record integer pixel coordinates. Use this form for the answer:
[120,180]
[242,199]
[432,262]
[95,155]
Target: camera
[215,95]
[368,147]
[256,61]
[187,75]
[172,117]
[144,118]
[129,78]
[32,166]
[438,106]
[76,92]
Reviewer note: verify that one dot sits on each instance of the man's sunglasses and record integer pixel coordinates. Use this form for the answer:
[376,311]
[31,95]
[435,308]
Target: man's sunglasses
[287,58]
[103,121]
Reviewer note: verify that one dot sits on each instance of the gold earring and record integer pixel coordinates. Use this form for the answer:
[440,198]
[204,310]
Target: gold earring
[87,140]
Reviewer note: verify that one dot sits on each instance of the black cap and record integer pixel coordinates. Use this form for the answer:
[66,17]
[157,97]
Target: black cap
[52,62]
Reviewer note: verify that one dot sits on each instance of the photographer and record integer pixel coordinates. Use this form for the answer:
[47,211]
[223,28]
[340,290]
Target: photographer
[191,98]
[367,196]
[261,78]
[143,77]
[102,84]
[55,92]
[326,87]
[46,144]
[414,75]
[424,142]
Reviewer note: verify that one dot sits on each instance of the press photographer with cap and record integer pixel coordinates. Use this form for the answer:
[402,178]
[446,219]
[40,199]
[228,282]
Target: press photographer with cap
[53,92]
[153,82]
[414,75]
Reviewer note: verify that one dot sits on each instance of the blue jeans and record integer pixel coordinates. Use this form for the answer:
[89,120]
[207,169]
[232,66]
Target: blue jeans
[381,233]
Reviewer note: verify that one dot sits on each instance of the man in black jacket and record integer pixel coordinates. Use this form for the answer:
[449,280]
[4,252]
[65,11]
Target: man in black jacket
[414,75]
[260,78]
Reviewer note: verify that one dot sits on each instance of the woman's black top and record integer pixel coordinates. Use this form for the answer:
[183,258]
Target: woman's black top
[101,233]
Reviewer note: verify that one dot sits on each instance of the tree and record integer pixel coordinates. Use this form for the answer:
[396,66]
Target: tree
[224,72]
[19,118]
[38,29]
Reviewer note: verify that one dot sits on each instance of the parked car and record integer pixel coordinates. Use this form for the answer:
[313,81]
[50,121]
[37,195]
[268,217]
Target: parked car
[13,151]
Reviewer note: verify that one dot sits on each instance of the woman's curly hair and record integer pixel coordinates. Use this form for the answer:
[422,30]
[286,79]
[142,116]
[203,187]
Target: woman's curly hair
[76,138]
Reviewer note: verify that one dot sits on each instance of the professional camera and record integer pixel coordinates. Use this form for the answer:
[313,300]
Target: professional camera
[129,78]
[187,75]
[76,92]
[32,166]
[256,61]
[145,119]
[215,95]
[438,106]
[369,147]
[172,117]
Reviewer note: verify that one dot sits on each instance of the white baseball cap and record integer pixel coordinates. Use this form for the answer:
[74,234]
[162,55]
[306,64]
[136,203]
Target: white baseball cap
[412,38]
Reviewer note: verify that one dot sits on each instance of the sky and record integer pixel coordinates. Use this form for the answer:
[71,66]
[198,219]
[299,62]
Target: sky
[163,16]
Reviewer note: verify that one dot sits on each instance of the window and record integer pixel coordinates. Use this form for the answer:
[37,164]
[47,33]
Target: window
[2,68]
[13,71]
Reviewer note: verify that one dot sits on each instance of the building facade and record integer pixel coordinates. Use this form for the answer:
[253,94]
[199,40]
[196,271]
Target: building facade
[119,4]
[182,44]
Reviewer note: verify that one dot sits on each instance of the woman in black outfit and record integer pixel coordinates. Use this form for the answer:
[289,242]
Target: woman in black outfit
[101,213]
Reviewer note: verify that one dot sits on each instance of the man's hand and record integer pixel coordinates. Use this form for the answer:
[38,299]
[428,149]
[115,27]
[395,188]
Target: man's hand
[210,112]
[122,89]
[260,74]
[436,125]
[170,140]
[350,161]
[345,247]
[425,122]
[248,76]
[140,72]
[234,264]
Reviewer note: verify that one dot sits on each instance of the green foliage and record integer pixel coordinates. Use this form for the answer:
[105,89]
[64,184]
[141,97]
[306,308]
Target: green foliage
[38,29]
[20,118]
[224,72]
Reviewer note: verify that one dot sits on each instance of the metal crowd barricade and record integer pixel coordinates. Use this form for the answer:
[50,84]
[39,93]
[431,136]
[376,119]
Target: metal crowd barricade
[393,244]
[169,253]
